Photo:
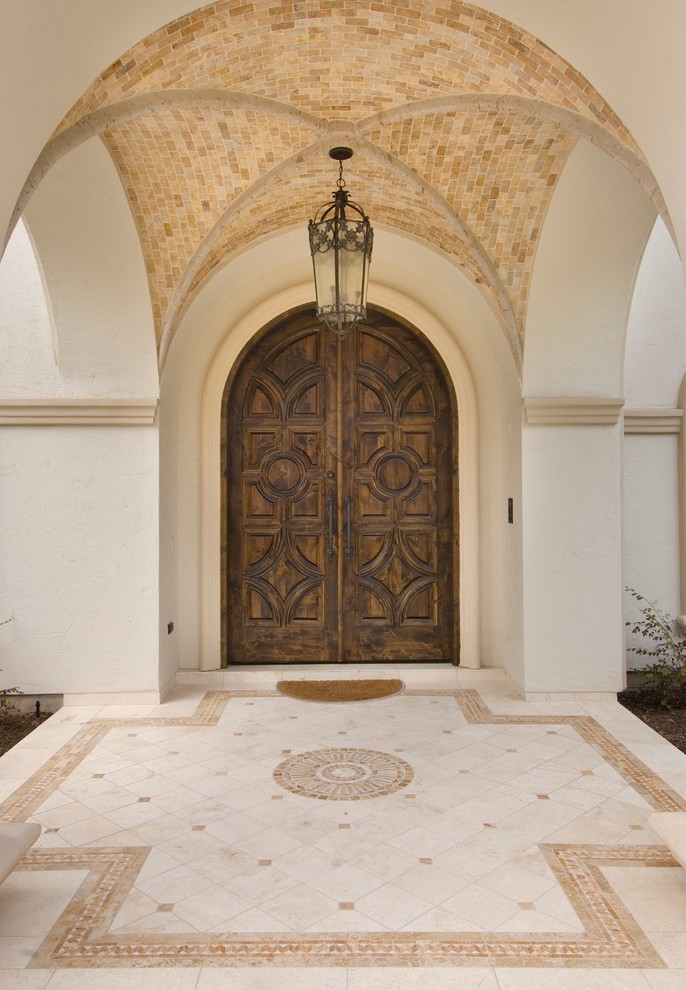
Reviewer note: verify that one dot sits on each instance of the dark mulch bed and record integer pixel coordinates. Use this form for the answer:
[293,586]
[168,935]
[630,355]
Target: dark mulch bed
[669,722]
[14,725]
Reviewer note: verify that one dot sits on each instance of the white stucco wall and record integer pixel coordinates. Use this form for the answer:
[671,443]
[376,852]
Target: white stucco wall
[172,648]
[94,274]
[654,367]
[655,356]
[79,563]
[28,349]
[592,241]
[589,252]
[573,633]
[79,559]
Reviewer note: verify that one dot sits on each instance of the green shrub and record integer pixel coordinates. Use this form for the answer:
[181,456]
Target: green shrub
[665,678]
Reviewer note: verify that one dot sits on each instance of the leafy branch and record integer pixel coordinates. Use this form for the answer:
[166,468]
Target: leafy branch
[666,676]
[13,690]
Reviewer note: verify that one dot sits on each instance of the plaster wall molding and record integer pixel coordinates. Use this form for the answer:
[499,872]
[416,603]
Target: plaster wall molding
[107,411]
[576,410]
[653,420]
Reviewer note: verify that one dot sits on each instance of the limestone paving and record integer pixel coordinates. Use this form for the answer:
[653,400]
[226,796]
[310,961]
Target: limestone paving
[430,829]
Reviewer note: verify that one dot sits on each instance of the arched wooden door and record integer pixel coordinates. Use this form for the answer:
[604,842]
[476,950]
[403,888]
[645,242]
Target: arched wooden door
[340,498]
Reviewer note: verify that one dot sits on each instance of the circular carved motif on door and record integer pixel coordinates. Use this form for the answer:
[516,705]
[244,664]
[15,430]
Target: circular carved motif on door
[343,774]
[284,474]
[394,474]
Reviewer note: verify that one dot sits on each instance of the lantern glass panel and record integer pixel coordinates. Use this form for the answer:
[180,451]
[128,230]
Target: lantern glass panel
[351,263]
[325,277]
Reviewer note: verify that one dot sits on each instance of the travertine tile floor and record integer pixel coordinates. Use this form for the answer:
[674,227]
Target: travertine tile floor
[452,835]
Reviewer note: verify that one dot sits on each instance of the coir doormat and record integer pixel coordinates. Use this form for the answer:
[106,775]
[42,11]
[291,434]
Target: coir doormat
[339,690]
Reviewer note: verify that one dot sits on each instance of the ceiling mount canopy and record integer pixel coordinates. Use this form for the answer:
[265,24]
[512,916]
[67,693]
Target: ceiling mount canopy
[341,245]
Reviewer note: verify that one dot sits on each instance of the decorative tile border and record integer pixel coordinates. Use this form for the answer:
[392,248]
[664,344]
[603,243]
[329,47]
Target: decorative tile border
[33,792]
[649,785]
[112,872]
[611,937]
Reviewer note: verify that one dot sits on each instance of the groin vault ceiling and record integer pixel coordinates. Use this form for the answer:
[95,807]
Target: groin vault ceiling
[219,125]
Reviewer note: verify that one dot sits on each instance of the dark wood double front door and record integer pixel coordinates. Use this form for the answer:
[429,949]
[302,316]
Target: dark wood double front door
[340,490]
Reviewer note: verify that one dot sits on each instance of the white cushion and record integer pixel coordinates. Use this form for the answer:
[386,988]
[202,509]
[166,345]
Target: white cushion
[671,827]
[15,839]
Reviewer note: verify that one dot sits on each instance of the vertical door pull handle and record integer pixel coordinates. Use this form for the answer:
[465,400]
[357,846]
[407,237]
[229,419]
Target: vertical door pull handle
[348,526]
[329,548]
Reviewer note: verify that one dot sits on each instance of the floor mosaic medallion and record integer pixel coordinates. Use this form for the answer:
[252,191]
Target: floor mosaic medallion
[343,774]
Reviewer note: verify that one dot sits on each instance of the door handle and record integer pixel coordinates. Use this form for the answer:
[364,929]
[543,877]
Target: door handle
[329,548]
[348,526]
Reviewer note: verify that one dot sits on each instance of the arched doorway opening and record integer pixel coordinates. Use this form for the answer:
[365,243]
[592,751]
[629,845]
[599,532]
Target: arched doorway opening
[339,497]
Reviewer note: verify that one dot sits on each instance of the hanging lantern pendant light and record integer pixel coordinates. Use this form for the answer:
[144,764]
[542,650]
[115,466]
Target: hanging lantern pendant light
[341,246]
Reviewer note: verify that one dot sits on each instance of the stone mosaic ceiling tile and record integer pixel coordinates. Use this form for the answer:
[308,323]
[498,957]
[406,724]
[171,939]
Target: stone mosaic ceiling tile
[219,124]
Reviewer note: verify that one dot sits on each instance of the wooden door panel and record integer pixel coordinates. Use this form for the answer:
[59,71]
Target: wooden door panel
[420,506]
[378,355]
[417,401]
[421,442]
[371,443]
[296,356]
[391,567]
